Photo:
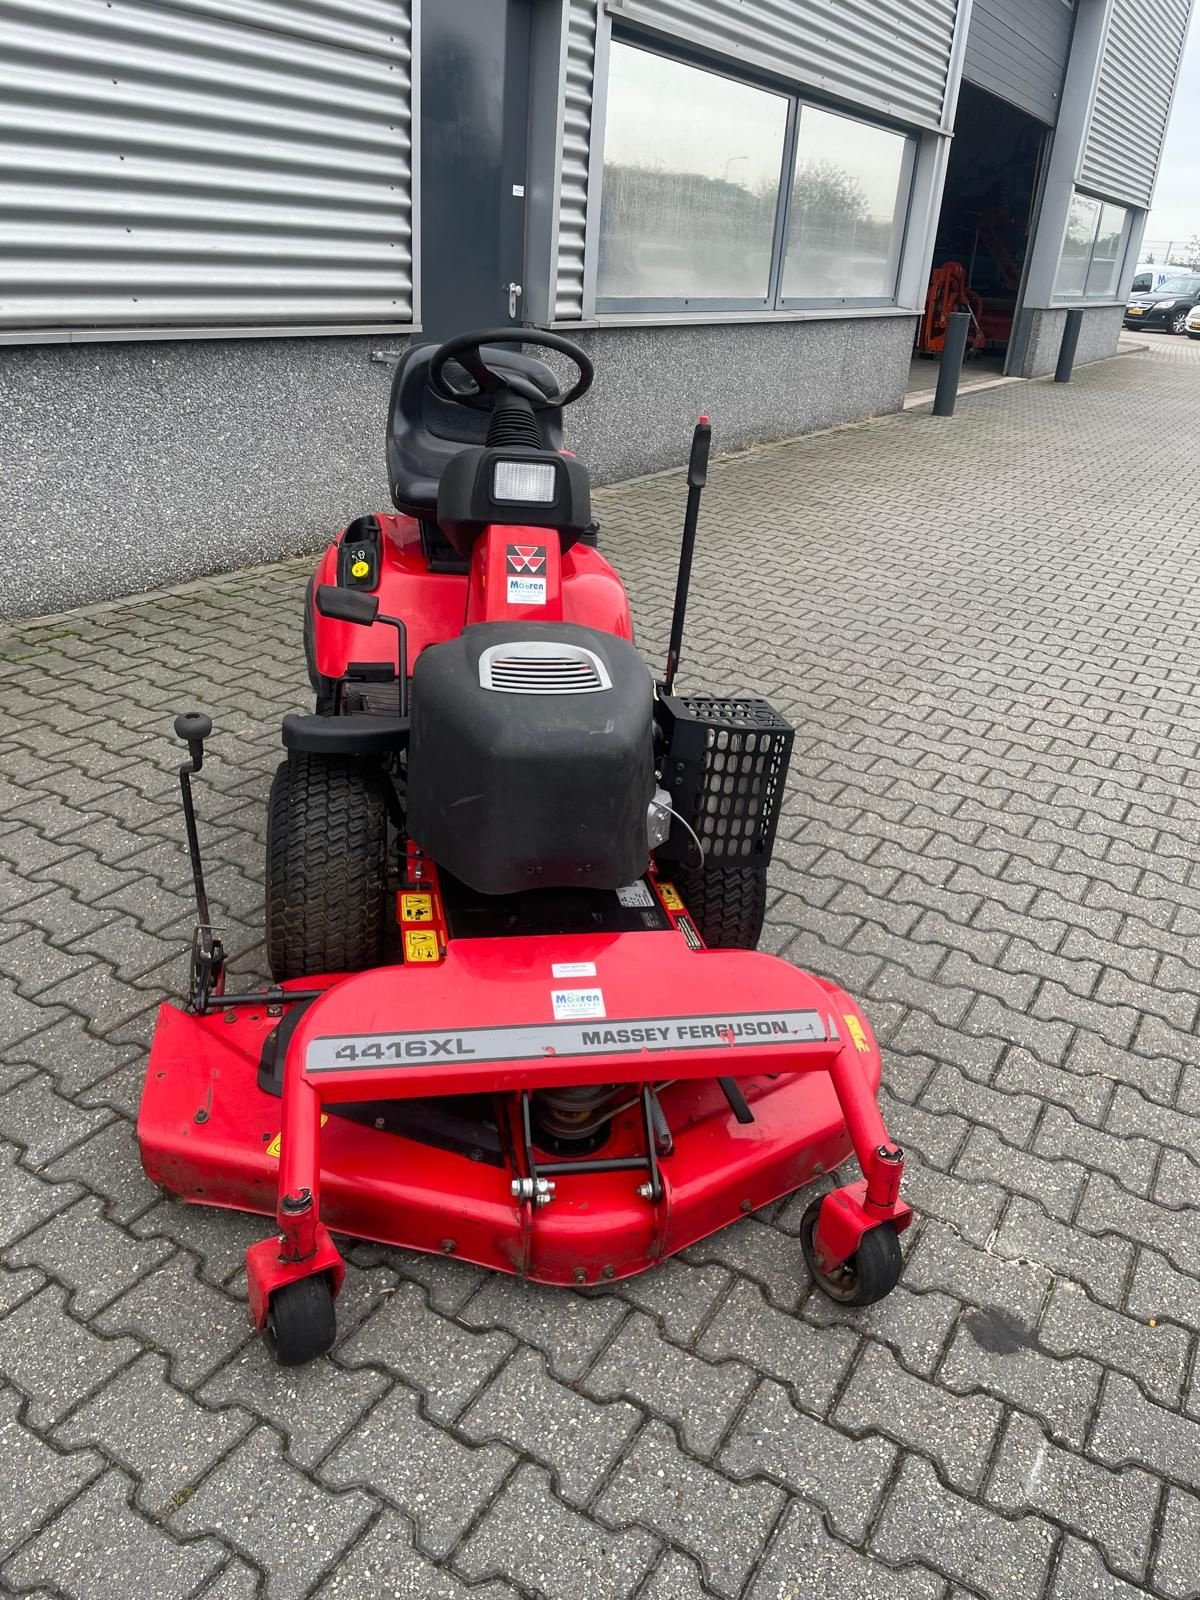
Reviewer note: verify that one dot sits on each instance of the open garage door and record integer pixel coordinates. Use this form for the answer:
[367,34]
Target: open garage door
[1017,50]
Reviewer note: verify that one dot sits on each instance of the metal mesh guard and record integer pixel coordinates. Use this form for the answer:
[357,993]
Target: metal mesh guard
[726,766]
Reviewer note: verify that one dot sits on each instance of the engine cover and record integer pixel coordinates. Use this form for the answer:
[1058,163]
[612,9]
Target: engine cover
[531,757]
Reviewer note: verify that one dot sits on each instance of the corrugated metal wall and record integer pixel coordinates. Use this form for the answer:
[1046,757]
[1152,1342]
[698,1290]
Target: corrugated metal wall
[1018,49]
[573,178]
[1133,99]
[885,55]
[210,162]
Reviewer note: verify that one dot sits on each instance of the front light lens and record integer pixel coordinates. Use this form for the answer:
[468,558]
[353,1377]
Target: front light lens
[527,482]
[1163,305]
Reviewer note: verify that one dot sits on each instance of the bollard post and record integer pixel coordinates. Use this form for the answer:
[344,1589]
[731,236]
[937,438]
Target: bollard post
[958,324]
[1070,343]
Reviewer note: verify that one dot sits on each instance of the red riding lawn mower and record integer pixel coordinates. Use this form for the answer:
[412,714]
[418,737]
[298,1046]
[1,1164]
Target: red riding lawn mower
[514,888]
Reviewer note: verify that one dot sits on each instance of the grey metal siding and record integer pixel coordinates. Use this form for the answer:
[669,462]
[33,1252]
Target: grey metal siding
[1133,99]
[578,80]
[207,163]
[1018,49]
[884,55]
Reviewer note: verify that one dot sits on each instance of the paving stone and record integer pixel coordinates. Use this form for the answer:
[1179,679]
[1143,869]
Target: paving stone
[1081,1571]
[721,1523]
[1029,1236]
[446,1362]
[218,1239]
[437,1481]
[915,1325]
[99,1547]
[938,1137]
[94,1258]
[53,1359]
[236,1582]
[27,1199]
[1157,1356]
[846,1477]
[1114,1509]
[1107,1208]
[1086,1097]
[922,1521]
[1157,1291]
[530,1537]
[1011,1115]
[311,1406]
[700,1398]
[108,1164]
[943,1260]
[36,965]
[993,1351]
[680,1295]
[1055,1185]
[386,1564]
[38,1479]
[70,1056]
[155,1432]
[1131,1430]
[812,1361]
[1178,1181]
[171,1309]
[971,1208]
[1177,1565]
[42,1122]
[448,1283]
[1156,1076]
[1135,1120]
[292,1529]
[576,1438]
[803,1561]
[958,1431]
[758,1251]
[1129,1161]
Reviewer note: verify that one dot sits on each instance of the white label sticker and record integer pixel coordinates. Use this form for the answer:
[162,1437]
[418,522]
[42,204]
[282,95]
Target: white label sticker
[525,591]
[636,894]
[518,191]
[573,969]
[570,1004]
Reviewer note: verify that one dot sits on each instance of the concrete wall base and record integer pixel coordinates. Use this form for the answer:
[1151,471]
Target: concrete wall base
[129,466]
[1097,338]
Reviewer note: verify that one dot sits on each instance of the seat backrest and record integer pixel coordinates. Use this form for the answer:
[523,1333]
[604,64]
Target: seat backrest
[424,431]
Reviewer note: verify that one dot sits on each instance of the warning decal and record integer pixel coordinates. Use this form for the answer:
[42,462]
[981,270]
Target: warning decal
[421,944]
[741,1030]
[416,908]
[670,897]
[858,1034]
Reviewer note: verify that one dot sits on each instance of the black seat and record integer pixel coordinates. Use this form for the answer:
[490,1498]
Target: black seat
[425,431]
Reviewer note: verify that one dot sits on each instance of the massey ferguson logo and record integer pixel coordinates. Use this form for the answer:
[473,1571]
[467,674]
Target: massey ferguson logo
[526,557]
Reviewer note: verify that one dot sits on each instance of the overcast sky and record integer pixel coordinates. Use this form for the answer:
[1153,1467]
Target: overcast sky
[1176,212]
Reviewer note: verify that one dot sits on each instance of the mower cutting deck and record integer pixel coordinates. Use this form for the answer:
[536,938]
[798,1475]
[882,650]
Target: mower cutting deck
[513,890]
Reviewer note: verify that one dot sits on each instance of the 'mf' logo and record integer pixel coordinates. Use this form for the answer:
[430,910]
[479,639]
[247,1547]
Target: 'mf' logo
[526,557]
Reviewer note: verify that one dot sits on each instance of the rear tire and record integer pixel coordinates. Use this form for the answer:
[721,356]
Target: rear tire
[1179,322]
[727,904]
[327,857]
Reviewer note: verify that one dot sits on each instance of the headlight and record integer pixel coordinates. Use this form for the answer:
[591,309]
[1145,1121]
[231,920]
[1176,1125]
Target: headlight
[527,482]
[1164,305]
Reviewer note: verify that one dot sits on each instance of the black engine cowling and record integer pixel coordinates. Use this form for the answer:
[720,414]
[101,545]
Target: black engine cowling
[531,759]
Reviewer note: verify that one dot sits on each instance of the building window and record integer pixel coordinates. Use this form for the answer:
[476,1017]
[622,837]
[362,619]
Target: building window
[723,195]
[1093,250]
[846,221]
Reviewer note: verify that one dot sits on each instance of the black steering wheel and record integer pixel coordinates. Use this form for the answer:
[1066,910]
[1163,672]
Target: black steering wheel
[488,383]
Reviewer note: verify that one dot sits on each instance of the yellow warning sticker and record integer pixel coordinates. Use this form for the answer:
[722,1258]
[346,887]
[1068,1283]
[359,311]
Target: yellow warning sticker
[420,945]
[276,1143]
[416,908]
[359,569]
[858,1034]
[670,897]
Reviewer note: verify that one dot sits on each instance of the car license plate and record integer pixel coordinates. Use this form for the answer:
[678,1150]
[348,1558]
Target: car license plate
[1134,311]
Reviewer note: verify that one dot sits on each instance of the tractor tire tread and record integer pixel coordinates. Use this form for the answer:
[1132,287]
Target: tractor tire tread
[727,904]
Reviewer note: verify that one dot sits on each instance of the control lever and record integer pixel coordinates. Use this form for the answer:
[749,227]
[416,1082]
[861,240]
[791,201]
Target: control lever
[356,605]
[208,955]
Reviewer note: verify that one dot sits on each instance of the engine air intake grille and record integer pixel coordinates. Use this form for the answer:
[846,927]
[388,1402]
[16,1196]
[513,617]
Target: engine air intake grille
[725,768]
[537,667]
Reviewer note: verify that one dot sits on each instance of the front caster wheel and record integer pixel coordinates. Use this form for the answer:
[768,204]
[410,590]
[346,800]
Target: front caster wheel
[870,1273]
[301,1323]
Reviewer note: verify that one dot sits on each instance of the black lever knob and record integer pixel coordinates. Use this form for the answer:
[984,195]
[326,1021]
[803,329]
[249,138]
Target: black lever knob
[193,726]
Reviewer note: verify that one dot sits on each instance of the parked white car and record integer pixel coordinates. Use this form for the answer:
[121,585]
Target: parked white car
[1192,326]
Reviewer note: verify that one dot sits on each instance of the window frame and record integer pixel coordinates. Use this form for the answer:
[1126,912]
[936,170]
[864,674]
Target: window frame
[1108,297]
[774,303]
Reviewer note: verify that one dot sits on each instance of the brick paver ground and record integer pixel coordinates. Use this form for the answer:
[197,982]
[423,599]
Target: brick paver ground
[986,633]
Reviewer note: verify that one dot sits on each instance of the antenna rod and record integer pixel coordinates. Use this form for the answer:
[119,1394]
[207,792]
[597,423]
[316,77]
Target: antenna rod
[697,476]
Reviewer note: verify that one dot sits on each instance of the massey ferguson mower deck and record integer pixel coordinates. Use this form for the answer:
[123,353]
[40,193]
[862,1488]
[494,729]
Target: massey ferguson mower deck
[513,892]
